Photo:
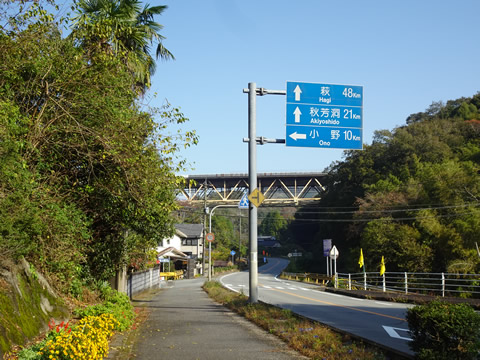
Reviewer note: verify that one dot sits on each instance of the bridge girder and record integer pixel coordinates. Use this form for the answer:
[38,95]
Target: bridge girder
[278,188]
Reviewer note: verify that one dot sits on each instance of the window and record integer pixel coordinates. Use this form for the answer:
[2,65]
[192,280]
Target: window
[189,242]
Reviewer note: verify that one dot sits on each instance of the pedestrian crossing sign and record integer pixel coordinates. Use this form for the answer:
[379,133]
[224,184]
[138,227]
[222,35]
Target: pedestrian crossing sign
[244,203]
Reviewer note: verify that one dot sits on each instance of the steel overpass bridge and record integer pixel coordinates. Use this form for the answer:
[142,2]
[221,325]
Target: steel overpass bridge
[278,188]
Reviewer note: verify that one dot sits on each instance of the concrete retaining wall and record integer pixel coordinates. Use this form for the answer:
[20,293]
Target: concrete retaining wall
[144,280]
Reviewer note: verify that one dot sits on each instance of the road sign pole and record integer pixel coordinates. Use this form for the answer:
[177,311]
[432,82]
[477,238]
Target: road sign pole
[252,180]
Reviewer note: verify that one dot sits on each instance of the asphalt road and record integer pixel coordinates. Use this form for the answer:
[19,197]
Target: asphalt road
[184,323]
[381,322]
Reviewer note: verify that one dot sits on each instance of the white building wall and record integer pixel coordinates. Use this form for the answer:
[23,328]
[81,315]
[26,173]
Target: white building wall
[176,242]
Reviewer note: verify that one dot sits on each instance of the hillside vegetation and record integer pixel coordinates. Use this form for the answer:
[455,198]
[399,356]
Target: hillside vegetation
[87,177]
[411,196]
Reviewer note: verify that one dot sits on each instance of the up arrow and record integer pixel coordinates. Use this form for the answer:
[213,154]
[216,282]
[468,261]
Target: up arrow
[297,114]
[297,92]
[296,136]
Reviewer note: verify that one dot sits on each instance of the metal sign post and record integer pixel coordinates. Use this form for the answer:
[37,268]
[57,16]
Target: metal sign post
[252,179]
[334,120]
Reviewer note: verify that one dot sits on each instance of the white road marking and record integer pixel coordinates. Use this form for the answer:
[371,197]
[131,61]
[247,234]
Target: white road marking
[392,331]
[383,303]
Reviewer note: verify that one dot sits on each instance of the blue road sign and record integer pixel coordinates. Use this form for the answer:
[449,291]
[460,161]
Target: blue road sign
[244,202]
[324,137]
[327,246]
[324,94]
[324,115]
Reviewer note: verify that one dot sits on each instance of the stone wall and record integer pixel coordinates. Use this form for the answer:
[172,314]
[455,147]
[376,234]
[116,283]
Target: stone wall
[27,303]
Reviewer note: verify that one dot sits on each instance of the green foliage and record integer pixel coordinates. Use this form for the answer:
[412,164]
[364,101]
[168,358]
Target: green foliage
[123,29]
[273,225]
[28,354]
[88,173]
[411,196]
[225,237]
[444,331]
[115,303]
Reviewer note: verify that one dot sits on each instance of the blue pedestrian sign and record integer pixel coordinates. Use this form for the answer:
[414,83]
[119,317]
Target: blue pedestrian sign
[324,115]
[244,202]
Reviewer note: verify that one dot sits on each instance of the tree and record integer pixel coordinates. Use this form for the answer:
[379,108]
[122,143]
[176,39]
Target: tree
[124,29]
[273,225]
[413,190]
[90,176]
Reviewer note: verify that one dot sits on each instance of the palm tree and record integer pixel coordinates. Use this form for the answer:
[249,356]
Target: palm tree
[124,29]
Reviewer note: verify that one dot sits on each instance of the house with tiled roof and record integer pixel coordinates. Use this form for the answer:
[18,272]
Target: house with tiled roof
[188,240]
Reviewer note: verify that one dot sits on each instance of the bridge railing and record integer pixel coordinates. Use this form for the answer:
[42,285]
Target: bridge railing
[440,284]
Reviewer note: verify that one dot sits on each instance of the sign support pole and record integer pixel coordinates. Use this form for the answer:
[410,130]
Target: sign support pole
[252,180]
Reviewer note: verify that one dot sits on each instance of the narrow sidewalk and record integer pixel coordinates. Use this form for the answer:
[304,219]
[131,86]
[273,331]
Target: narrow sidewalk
[184,323]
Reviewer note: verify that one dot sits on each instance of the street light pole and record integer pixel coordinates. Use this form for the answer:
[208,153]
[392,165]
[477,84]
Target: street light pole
[210,243]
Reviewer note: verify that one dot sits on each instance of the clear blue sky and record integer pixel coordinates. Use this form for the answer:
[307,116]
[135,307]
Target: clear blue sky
[405,54]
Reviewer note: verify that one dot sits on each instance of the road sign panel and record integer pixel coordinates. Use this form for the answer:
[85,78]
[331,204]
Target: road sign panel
[244,203]
[256,197]
[327,245]
[324,115]
[324,137]
[210,237]
[334,253]
[324,94]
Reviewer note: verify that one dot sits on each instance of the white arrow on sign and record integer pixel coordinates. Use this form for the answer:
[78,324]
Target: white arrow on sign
[297,92]
[297,114]
[296,136]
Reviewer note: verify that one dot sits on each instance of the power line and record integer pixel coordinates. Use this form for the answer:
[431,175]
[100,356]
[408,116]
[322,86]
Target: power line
[409,209]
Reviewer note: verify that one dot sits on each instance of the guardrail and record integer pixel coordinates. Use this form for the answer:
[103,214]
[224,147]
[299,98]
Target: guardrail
[308,277]
[444,284]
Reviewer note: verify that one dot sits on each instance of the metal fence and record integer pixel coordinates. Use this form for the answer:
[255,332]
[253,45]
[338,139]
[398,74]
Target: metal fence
[440,284]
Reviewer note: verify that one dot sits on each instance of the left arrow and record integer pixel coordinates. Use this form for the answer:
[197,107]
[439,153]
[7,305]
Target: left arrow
[295,136]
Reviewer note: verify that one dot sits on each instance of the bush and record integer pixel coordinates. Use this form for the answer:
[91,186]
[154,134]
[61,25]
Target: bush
[444,331]
[88,340]
[115,303]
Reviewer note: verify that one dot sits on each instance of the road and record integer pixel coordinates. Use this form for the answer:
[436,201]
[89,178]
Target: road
[378,321]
